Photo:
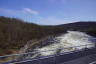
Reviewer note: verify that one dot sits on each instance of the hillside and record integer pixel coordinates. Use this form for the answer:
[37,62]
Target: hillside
[89,27]
[14,33]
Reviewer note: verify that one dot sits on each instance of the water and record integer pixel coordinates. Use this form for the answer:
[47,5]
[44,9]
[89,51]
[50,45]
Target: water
[62,43]
[69,40]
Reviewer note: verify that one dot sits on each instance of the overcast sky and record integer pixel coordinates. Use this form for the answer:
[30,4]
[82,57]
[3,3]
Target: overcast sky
[49,12]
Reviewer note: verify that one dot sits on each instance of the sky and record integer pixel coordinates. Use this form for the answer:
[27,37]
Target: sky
[49,12]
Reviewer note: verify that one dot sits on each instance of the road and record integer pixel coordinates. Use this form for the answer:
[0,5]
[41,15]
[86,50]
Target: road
[79,57]
[83,60]
[90,59]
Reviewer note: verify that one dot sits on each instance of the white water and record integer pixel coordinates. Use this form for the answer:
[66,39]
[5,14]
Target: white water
[70,39]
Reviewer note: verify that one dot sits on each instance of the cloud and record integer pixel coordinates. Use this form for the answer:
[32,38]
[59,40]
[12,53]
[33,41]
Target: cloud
[51,20]
[34,17]
[16,12]
[30,11]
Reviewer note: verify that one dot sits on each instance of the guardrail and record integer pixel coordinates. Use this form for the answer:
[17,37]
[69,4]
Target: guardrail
[25,56]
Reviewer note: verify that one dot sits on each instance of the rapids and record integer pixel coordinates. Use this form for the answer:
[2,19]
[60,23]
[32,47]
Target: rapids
[68,42]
